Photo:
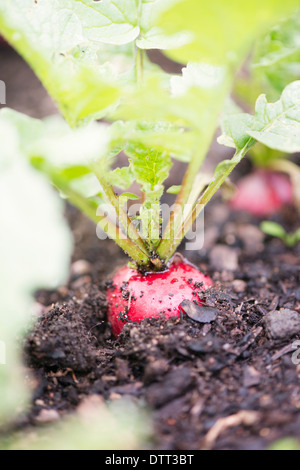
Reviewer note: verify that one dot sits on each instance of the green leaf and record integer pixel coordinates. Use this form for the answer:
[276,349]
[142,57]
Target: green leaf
[174,189]
[159,135]
[277,56]
[192,100]
[198,76]
[287,443]
[121,177]
[297,236]
[235,128]
[18,178]
[110,22]
[47,35]
[122,21]
[63,147]
[86,185]
[155,38]
[55,149]
[151,35]
[222,168]
[127,426]
[124,197]
[222,31]
[83,50]
[273,229]
[278,124]
[150,167]
[35,250]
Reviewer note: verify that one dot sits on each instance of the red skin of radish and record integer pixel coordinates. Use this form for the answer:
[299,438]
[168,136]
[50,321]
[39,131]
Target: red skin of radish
[153,294]
[263,193]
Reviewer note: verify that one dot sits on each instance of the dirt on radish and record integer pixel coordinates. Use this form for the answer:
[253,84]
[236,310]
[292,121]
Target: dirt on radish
[133,297]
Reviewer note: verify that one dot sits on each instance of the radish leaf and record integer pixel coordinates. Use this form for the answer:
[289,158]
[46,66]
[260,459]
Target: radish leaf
[276,125]
[222,32]
[150,167]
[277,56]
[35,250]
[71,45]
[121,177]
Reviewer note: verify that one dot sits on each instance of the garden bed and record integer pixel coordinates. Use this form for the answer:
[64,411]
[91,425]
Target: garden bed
[190,375]
[225,384]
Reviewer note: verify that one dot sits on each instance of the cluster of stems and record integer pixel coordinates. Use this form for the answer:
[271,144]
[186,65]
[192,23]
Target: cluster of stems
[149,254]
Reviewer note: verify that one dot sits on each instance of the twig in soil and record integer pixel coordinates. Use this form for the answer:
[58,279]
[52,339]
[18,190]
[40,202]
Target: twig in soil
[286,350]
[261,310]
[245,418]
[274,304]
[95,326]
[63,373]
[246,342]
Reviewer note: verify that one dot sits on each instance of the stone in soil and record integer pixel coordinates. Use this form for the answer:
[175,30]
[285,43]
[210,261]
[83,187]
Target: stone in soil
[282,324]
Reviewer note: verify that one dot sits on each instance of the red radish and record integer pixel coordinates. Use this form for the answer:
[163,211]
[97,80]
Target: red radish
[134,296]
[263,192]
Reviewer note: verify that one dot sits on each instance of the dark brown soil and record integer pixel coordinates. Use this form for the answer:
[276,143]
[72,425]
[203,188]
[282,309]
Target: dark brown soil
[191,375]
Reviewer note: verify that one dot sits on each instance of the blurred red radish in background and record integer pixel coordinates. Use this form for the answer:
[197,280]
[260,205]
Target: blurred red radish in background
[263,192]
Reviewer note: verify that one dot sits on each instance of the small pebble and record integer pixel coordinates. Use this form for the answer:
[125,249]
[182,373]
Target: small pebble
[282,324]
[81,282]
[47,416]
[156,369]
[239,285]
[80,268]
[223,257]
[251,377]
[63,292]
[252,237]
[115,396]
[199,313]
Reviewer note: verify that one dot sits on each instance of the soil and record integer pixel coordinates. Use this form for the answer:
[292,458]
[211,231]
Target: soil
[192,375]
[226,383]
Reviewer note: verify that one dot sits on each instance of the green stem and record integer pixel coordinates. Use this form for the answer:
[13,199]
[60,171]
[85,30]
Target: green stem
[139,53]
[91,209]
[206,136]
[124,218]
[203,201]
[175,221]
[293,171]
[151,222]
[139,65]
[284,166]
